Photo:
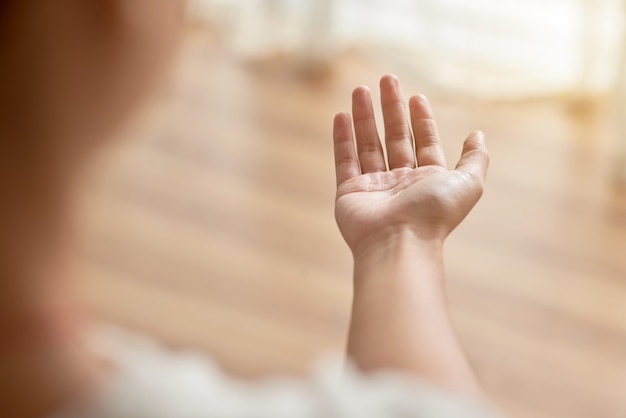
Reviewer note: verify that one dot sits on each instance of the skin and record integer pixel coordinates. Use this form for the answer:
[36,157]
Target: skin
[395,220]
[71,74]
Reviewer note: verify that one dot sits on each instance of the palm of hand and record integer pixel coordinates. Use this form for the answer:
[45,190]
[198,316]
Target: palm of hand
[422,198]
[428,199]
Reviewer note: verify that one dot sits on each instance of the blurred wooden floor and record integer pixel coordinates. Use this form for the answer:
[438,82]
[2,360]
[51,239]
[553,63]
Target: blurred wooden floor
[214,229]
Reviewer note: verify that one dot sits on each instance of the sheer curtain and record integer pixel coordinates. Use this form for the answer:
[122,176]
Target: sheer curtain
[496,49]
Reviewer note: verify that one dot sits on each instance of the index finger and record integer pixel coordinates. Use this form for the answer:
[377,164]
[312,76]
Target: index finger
[346,161]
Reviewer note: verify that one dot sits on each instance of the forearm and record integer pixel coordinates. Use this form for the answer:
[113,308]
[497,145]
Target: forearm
[400,319]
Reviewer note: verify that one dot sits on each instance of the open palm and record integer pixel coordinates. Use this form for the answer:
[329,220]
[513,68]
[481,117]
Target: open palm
[417,192]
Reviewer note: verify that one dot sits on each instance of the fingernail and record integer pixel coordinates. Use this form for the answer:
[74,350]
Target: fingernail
[422,99]
[360,90]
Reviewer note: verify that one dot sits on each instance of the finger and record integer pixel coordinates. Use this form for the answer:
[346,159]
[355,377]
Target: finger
[346,161]
[367,142]
[427,142]
[474,159]
[398,137]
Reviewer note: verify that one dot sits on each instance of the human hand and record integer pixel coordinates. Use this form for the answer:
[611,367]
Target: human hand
[375,203]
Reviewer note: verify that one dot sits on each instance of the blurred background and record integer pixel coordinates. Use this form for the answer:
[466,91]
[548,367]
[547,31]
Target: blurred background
[211,227]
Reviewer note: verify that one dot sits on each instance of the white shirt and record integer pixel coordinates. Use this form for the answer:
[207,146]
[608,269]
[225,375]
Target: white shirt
[150,382]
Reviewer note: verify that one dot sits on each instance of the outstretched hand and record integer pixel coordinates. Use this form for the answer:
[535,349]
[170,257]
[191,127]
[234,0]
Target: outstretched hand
[412,191]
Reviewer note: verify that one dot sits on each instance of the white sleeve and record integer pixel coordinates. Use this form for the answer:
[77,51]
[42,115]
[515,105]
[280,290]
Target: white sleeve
[152,383]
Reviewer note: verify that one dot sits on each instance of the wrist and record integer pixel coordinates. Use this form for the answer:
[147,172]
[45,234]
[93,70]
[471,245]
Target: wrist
[394,242]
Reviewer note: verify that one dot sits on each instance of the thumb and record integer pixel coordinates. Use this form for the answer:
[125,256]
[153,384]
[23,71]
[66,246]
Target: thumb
[474,158]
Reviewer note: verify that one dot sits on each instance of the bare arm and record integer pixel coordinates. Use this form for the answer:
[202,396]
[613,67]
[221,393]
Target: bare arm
[395,221]
[400,319]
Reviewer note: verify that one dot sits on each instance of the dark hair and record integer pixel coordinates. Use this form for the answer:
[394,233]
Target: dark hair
[6,7]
